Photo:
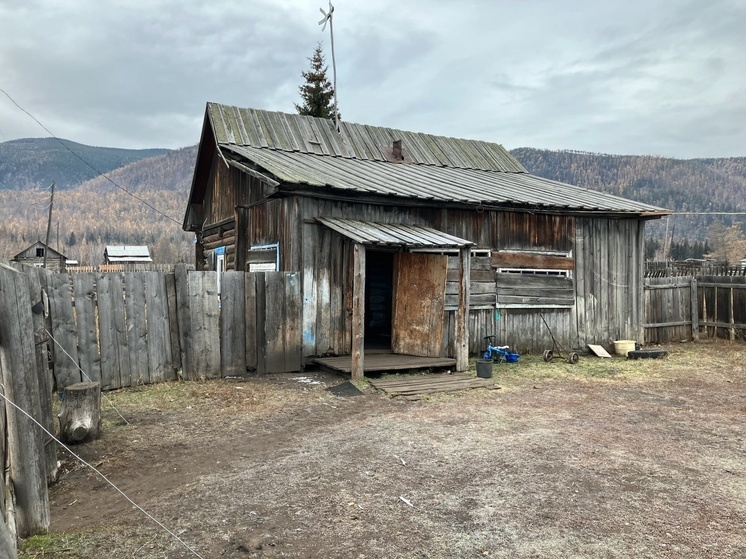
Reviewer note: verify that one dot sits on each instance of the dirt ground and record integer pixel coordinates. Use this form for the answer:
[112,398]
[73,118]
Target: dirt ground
[607,458]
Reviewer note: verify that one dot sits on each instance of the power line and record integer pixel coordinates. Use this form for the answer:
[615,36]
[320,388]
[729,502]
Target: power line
[106,479]
[100,173]
[708,213]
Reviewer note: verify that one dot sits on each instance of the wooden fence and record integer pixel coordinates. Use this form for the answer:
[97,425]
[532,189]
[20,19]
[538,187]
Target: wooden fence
[26,452]
[684,307]
[131,328]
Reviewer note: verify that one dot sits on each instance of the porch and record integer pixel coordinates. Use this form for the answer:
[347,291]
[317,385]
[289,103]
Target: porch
[384,361]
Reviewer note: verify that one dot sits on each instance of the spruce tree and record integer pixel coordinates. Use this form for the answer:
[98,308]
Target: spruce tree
[317,93]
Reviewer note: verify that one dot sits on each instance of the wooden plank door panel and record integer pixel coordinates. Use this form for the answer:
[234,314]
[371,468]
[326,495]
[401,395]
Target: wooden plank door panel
[419,303]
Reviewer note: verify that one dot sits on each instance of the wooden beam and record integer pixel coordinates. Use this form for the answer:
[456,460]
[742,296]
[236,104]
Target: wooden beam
[462,315]
[358,311]
[538,261]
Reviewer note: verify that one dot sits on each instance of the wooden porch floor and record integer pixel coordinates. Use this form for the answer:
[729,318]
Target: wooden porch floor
[377,361]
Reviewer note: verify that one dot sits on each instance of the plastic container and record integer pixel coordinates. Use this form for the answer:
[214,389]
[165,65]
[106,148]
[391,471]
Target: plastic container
[484,368]
[622,347]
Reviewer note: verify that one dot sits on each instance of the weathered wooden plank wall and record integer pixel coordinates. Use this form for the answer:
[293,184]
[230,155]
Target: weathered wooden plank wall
[680,307]
[23,383]
[668,310]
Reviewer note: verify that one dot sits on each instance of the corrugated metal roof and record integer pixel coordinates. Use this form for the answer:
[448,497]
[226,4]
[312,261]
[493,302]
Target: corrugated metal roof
[393,234]
[425,182]
[305,134]
[127,251]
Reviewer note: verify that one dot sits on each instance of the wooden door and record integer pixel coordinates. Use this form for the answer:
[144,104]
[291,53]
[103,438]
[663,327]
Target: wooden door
[419,303]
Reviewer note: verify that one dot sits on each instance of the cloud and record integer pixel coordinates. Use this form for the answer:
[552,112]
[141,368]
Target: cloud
[620,77]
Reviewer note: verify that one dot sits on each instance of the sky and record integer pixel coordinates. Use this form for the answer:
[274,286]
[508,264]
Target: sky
[653,77]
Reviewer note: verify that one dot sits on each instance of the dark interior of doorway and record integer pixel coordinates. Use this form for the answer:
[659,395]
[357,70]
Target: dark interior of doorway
[379,286]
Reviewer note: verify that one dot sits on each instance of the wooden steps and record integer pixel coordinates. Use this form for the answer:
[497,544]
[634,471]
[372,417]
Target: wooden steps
[412,387]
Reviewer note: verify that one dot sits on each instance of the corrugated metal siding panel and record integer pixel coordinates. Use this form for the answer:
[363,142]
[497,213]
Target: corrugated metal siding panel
[434,183]
[393,234]
[290,132]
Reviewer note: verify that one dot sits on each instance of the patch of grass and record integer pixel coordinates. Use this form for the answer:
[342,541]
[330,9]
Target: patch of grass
[718,355]
[53,545]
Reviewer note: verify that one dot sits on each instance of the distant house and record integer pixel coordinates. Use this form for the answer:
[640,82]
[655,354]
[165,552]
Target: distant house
[34,256]
[127,255]
[411,242]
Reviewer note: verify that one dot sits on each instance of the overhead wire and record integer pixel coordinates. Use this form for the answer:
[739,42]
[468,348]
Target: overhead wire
[100,173]
[84,374]
[102,476]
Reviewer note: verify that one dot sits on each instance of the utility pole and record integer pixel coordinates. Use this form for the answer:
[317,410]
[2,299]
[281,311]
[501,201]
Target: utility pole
[49,226]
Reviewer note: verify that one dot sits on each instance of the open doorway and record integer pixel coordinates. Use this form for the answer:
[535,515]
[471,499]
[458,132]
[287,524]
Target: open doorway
[379,285]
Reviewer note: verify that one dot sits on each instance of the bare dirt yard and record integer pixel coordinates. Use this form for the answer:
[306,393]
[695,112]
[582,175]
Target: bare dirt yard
[606,458]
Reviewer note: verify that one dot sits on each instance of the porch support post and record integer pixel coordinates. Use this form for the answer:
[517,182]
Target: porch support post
[358,311]
[462,315]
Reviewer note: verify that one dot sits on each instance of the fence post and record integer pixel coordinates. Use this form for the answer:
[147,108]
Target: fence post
[695,310]
[20,380]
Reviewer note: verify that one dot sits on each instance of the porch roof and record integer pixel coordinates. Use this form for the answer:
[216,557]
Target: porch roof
[393,234]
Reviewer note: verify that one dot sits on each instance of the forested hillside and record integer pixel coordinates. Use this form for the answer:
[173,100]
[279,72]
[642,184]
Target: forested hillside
[681,185]
[93,213]
[33,162]
[96,213]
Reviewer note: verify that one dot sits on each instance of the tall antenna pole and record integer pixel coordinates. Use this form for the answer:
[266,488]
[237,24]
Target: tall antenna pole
[328,17]
[49,227]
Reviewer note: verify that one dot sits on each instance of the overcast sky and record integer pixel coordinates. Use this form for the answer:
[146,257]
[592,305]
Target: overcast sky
[660,77]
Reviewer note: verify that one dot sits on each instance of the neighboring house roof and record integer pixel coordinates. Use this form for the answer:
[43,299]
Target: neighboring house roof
[39,244]
[388,234]
[297,152]
[127,254]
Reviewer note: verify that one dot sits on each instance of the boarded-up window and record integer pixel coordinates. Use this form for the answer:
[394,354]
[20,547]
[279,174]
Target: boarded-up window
[540,279]
[263,258]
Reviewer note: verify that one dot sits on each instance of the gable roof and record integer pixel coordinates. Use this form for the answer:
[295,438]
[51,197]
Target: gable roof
[39,244]
[134,253]
[318,136]
[306,153]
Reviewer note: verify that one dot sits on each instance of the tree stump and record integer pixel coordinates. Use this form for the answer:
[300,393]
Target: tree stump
[80,412]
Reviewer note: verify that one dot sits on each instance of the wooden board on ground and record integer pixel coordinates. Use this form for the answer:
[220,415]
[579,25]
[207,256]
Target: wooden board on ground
[598,350]
[410,386]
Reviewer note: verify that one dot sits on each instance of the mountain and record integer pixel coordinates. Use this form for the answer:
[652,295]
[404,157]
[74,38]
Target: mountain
[36,162]
[95,213]
[92,212]
[680,185]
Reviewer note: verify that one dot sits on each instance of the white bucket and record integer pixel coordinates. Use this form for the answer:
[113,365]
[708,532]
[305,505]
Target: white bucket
[621,347]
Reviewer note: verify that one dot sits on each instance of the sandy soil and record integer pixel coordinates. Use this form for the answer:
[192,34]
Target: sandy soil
[606,459]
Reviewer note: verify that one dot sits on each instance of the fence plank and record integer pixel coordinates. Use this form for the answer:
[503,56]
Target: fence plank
[232,324]
[274,322]
[159,332]
[84,290]
[250,321]
[137,329]
[20,381]
[65,349]
[205,325]
[45,381]
[173,322]
[261,320]
[184,317]
[115,361]
[293,320]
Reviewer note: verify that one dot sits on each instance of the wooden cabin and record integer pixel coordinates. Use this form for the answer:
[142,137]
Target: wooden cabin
[36,254]
[415,243]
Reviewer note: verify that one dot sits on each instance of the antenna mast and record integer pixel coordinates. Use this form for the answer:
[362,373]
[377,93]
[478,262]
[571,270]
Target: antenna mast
[328,17]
